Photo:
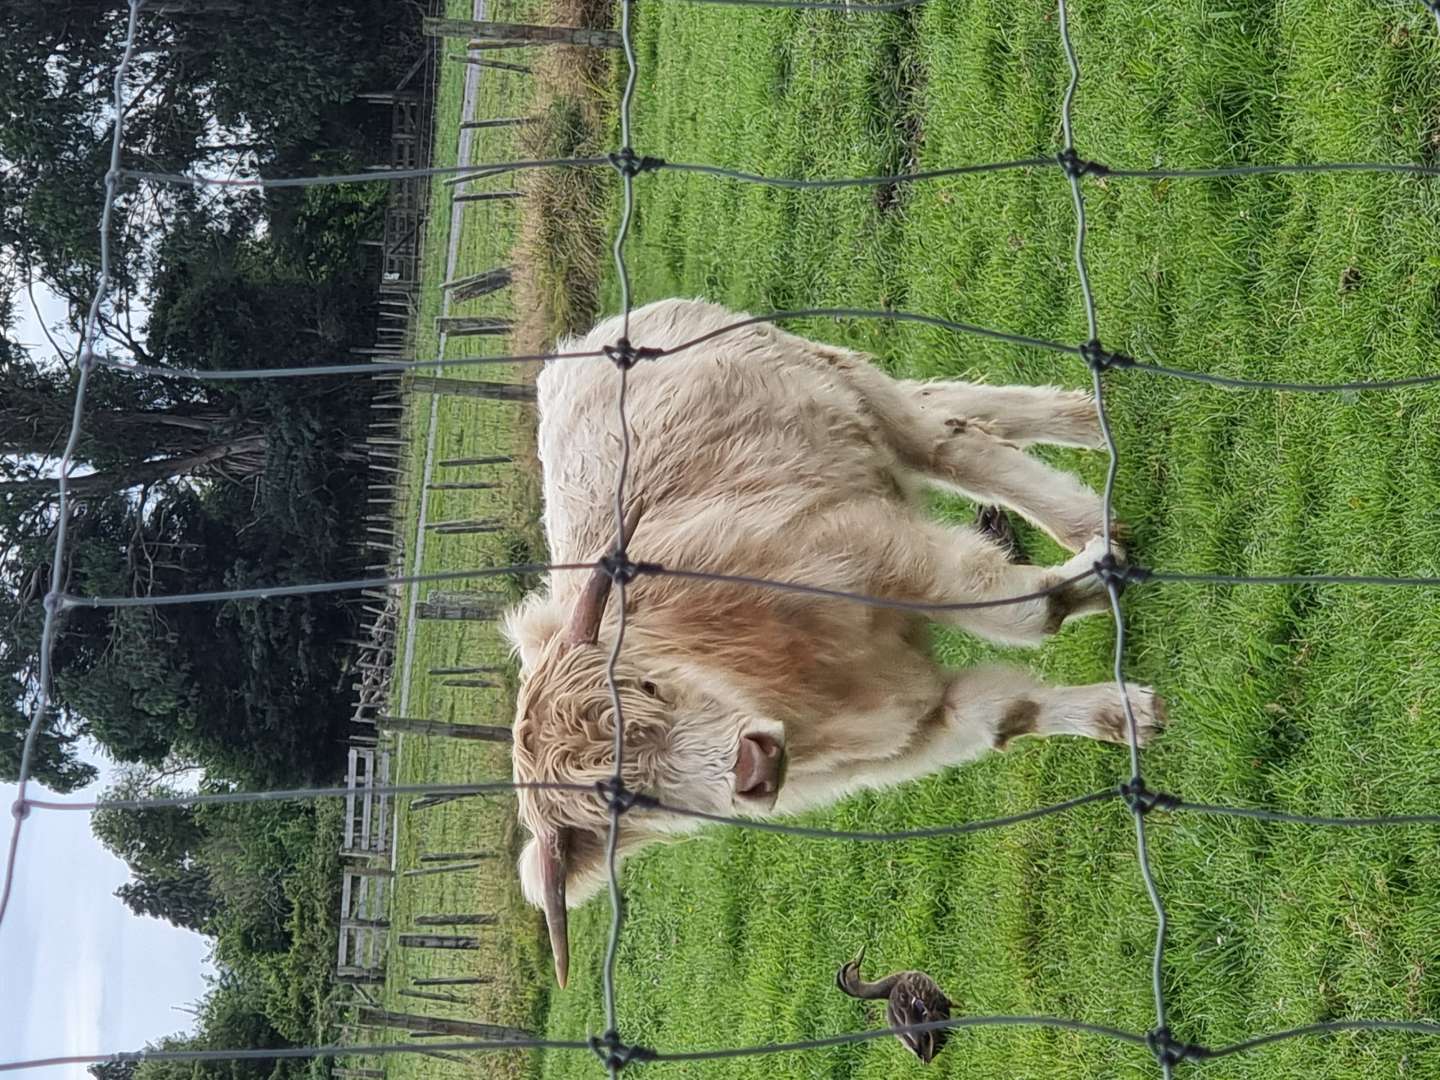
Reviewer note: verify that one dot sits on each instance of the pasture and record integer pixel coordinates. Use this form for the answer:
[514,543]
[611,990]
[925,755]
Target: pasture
[1318,699]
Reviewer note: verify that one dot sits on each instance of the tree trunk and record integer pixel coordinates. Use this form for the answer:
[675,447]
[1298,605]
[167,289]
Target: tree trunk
[33,422]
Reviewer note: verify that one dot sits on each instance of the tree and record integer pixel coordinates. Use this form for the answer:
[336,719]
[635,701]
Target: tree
[182,486]
[184,900]
[228,1020]
[200,486]
[163,848]
[154,840]
[273,80]
[114,1070]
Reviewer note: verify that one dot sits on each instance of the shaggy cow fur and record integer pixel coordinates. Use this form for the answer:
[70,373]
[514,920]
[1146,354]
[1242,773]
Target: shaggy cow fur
[760,453]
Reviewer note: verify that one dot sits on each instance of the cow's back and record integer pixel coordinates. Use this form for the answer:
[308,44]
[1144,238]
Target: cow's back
[753,422]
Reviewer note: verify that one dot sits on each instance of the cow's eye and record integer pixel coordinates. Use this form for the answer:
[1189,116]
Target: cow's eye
[650,688]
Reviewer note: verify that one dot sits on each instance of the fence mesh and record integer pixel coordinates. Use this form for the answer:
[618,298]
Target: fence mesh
[613,1052]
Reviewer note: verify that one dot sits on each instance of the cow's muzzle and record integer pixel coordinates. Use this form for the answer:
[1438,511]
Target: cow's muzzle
[759,769]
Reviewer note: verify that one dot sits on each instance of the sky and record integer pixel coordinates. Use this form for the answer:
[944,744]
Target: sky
[28,329]
[78,972]
[81,974]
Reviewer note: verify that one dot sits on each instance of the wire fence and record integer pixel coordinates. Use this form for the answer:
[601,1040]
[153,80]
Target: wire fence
[613,1052]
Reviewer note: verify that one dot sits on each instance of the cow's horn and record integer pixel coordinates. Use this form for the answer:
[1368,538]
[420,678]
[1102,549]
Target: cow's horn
[553,849]
[590,608]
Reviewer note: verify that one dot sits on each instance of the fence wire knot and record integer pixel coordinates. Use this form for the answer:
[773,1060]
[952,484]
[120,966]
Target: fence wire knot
[618,567]
[1142,800]
[1168,1051]
[625,355]
[615,1054]
[1100,358]
[1075,166]
[628,163]
[20,809]
[1115,574]
[620,798]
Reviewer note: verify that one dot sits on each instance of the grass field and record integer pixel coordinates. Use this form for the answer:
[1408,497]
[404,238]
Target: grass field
[1320,699]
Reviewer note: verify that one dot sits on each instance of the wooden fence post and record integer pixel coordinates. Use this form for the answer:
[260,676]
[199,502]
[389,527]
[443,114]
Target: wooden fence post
[459,462]
[429,384]
[483,919]
[524,33]
[485,525]
[498,65]
[452,606]
[482,732]
[495,122]
[447,868]
[438,941]
[477,285]
[485,196]
[460,326]
[439,1026]
[430,995]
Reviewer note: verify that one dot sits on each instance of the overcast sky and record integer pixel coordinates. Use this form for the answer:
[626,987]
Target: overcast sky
[79,973]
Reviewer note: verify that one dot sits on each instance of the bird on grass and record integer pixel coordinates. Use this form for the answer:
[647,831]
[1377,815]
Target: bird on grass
[911,997]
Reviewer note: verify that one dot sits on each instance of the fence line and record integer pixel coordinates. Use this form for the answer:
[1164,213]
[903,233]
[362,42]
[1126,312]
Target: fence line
[636,165]
[610,1048]
[1152,801]
[1127,574]
[1094,355]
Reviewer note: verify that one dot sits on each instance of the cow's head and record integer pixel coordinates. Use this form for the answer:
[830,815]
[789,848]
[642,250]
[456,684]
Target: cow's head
[683,746]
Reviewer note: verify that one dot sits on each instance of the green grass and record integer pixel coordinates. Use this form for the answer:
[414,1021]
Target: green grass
[1318,700]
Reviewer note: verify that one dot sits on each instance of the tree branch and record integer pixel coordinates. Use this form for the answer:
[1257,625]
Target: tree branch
[114,481]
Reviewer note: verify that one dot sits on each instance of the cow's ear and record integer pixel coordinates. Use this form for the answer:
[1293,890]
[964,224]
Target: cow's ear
[530,626]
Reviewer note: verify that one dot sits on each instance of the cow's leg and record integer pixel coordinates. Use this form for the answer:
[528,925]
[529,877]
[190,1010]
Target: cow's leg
[968,456]
[982,709]
[950,447]
[1006,602]
[953,574]
[1017,414]
[991,706]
